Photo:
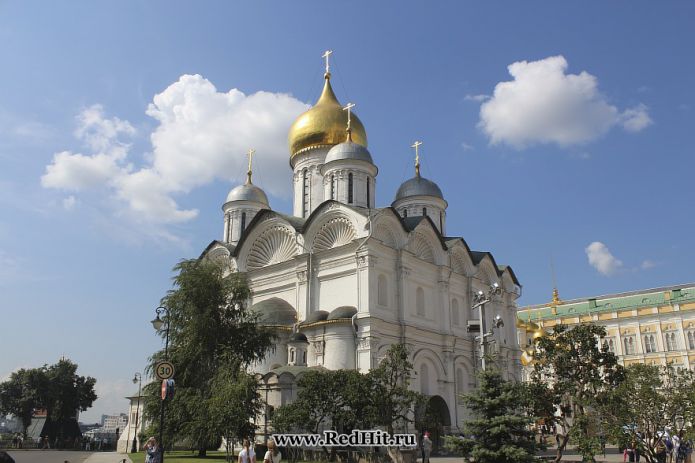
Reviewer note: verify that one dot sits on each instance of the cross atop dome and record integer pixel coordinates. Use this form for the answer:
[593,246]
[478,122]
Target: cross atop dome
[347,108]
[249,154]
[416,145]
[326,55]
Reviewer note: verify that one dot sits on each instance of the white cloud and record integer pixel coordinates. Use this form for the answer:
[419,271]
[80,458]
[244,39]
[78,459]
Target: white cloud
[635,119]
[544,104]
[202,135]
[69,203]
[602,260]
[647,264]
[478,98]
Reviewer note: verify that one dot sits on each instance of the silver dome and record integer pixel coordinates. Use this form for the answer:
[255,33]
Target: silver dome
[418,186]
[275,311]
[247,192]
[349,150]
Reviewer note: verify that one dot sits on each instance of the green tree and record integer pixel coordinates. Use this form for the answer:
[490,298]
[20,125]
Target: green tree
[210,331]
[651,399]
[499,430]
[576,373]
[22,393]
[56,388]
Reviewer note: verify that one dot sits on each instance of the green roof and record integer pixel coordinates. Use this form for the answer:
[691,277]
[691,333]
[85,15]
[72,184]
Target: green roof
[680,294]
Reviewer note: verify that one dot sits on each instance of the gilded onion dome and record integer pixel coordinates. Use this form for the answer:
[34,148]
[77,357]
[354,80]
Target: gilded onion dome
[324,124]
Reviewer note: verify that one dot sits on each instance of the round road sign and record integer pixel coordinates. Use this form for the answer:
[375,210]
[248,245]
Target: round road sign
[164,370]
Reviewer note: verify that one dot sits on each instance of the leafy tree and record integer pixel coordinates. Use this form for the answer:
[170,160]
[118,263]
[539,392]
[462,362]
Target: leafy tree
[576,373]
[56,388]
[499,431]
[22,393]
[651,399]
[210,331]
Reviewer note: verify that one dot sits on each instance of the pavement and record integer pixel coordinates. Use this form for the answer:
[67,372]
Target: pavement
[66,456]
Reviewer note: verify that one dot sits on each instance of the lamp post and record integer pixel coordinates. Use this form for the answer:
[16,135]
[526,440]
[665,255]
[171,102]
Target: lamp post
[479,300]
[136,379]
[158,324]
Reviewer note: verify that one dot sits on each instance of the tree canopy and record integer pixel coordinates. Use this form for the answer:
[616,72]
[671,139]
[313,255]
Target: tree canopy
[57,389]
[213,337]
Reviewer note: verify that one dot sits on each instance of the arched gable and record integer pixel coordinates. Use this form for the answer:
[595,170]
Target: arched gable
[272,241]
[335,227]
[425,243]
[388,229]
[487,271]
[460,259]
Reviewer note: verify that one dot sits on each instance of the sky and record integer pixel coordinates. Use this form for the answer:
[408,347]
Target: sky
[559,132]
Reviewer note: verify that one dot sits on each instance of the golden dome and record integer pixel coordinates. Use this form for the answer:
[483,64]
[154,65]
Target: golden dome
[325,124]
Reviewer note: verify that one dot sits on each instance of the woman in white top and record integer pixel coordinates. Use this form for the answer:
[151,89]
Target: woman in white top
[273,455]
[247,455]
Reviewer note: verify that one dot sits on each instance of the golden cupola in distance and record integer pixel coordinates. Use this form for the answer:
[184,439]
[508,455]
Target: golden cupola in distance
[324,125]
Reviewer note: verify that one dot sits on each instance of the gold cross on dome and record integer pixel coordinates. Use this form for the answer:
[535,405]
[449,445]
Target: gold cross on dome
[250,154]
[416,145]
[348,108]
[327,55]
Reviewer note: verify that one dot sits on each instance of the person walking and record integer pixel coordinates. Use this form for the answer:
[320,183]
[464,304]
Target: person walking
[426,448]
[153,452]
[247,455]
[273,455]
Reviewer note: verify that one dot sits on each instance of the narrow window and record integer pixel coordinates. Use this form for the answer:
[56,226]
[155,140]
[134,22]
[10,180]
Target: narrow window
[305,193]
[332,186]
[382,288]
[405,212]
[441,222]
[350,185]
[455,312]
[243,223]
[292,356]
[304,357]
[420,301]
[367,192]
[424,379]
[691,340]
[424,211]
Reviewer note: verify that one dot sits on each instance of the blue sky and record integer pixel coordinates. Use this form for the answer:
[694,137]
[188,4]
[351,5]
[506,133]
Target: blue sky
[580,154]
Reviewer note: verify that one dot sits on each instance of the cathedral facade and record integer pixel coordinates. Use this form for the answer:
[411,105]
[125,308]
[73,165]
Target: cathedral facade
[341,279]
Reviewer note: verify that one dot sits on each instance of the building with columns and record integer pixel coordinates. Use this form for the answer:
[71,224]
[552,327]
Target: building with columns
[653,326]
[341,279]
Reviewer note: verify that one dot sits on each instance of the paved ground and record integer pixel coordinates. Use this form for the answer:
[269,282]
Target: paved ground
[60,456]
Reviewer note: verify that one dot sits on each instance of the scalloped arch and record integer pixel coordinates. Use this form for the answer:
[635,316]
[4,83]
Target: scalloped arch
[385,235]
[460,263]
[273,246]
[336,232]
[421,247]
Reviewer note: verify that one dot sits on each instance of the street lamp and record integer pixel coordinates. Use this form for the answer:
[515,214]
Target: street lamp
[479,300]
[136,379]
[158,324]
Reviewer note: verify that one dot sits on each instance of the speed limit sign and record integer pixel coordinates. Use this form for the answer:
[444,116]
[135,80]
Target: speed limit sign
[164,370]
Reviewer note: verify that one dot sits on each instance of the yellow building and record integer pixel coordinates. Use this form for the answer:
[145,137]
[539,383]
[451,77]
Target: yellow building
[655,326]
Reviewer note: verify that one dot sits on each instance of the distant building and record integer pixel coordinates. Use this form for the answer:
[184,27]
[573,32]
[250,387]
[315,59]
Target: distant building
[653,326]
[135,426]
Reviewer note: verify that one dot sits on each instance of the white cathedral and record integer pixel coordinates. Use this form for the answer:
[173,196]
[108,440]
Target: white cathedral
[341,279]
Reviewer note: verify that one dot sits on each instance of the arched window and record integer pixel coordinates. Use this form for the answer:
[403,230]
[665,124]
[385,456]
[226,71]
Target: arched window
[459,383]
[691,340]
[350,185]
[424,211]
[243,223]
[382,291]
[425,379]
[649,344]
[304,357]
[368,192]
[671,341]
[332,186]
[629,345]
[405,212]
[455,312]
[420,301]
[305,193]
[611,346]
[291,355]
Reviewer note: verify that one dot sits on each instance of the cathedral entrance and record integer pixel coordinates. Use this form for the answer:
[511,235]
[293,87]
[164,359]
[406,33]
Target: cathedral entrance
[434,418]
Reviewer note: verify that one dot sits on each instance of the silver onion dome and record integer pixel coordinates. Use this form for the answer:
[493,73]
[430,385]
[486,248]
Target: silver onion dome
[418,186]
[248,192]
[349,150]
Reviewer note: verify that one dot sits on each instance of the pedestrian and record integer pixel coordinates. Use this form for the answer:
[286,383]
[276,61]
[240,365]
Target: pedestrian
[247,455]
[153,451]
[273,455]
[426,448]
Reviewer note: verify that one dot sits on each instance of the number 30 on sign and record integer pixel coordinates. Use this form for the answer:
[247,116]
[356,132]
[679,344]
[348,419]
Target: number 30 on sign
[164,370]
